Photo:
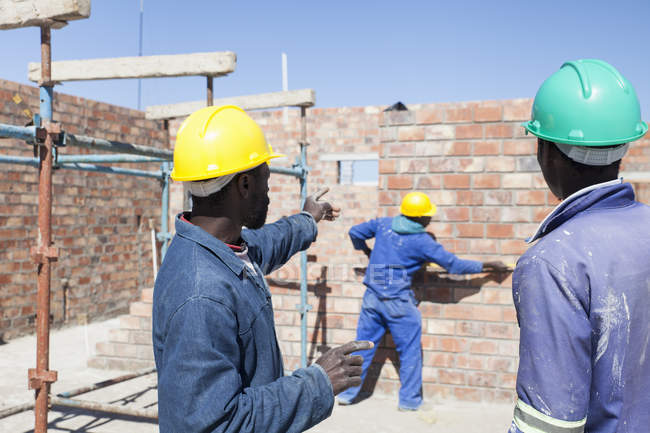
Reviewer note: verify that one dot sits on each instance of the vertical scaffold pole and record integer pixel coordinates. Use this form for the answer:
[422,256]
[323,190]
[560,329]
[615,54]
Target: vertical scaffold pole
[303,254]
[44,253]
[210,97]
[164,217]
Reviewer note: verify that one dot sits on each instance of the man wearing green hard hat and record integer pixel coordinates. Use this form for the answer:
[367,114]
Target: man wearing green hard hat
[582,292]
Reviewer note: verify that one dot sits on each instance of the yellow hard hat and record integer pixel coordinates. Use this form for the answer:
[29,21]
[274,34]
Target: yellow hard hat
[216,141]
[417,204]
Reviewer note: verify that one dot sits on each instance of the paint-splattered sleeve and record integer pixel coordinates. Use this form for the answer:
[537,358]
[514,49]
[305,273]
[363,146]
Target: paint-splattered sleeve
[554,374]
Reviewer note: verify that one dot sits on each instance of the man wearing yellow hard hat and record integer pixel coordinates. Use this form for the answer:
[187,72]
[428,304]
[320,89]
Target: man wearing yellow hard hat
[217,355]
[582,292]
[402,246]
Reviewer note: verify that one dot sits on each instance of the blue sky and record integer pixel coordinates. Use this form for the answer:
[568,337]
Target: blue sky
[352,52]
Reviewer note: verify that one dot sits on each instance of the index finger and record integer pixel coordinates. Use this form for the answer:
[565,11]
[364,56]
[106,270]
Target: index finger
[353,346]
[321,193]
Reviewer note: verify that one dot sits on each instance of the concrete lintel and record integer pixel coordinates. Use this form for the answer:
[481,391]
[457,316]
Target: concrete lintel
[175,65]
[26,13]
[290,98]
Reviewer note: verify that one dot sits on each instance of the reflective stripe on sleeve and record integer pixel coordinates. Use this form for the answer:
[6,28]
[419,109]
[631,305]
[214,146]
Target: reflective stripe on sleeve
[530,420]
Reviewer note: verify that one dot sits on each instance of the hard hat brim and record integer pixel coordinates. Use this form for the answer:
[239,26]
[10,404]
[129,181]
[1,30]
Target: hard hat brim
[533,129]
[243,168]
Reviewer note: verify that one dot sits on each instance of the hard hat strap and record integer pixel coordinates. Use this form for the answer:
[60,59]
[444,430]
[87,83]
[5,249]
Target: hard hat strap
[593,155]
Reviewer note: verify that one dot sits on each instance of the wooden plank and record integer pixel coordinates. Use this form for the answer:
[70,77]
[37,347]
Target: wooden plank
[176,65]
[27,13]
[290,98]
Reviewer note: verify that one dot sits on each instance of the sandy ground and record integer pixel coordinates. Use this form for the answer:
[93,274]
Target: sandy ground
[71,347]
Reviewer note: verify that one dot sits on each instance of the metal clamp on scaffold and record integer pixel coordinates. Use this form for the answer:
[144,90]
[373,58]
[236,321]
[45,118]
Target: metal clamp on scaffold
[54,130]
[42,254]
[37,378]
[302,310]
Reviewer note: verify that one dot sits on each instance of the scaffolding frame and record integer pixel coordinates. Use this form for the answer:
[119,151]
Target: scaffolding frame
[46,136]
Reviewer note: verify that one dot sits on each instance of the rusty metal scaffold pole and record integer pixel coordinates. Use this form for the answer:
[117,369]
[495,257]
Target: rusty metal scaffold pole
[44,253]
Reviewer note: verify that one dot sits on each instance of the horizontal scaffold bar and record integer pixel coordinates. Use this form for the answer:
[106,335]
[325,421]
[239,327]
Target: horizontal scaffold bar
[296,172]
[103,407]
[24,160]
[107,158]
[290,98]
[75,140]
[106,169]
[27,133]
[212,64]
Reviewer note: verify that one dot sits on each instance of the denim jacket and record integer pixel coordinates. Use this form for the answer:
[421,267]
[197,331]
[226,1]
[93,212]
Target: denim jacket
[216,351]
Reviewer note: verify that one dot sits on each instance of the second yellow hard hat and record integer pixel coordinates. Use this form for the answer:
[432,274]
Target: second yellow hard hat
[417,204]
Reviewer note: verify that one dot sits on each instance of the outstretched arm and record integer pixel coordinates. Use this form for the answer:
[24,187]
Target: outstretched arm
[360,233]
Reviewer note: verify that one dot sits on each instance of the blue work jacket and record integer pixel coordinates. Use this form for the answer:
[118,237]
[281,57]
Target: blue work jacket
[582,295]
[216,351]
[396,257]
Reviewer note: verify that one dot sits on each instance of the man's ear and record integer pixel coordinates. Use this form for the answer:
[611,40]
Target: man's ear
[244,185]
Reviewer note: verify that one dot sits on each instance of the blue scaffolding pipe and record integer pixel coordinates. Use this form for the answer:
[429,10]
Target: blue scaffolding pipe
[107,158]
[25,160]
[303,307]
[107,169]
[164,234]
[22,160]
[75,140]
[295,172]
[27,133]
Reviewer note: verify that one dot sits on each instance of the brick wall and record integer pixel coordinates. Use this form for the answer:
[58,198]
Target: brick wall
[471,158]
[100,221]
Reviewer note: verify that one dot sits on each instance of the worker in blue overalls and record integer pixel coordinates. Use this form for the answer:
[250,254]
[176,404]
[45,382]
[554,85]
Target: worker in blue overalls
[402,246]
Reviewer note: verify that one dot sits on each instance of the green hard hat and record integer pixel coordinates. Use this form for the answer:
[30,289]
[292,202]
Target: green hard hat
[587,103]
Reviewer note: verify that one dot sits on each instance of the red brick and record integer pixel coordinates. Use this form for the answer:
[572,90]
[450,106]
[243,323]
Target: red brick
[483,246]
[400,182]
[452,344]
[487,313]
[429,115]
[487,113]
[487,147]
[485,214]
[471,198]
[500,164]
[458,114]
[410,133]
[387,166]
[468,394]
[499,130]
[485,347]
[517,110]
[469,131]
[451,377]
[509,314]
[461,148]
[470,230]
[500,231]
[487,181]
[513,247]
[519,147]
[535,197]
[456,181]
[457,214]
[499,330]
[482,379]
[428,182]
